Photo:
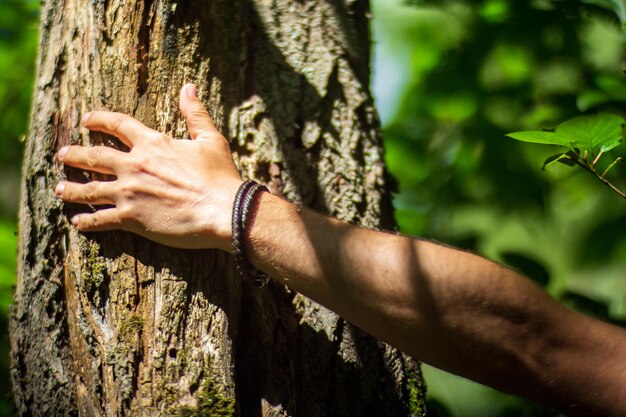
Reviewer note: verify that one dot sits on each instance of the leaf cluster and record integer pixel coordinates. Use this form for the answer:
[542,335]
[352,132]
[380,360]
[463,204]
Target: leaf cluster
[586,138]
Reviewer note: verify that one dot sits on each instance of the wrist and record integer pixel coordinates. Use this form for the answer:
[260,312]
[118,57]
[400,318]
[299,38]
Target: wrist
[244,210]
[216,218]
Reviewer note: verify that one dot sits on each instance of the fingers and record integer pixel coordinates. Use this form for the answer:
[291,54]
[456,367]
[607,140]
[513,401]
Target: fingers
[91,193]
[96,193]
[101,220]
[97,158]
[199,122]
[125,128]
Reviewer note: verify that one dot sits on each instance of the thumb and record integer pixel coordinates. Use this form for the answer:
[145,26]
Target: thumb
[199,122]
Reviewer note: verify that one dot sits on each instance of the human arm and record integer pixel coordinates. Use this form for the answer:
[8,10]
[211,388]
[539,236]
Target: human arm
[449,308]
[452,309]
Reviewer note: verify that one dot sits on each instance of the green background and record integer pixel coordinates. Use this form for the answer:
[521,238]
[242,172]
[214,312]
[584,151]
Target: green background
[19,21]
[450,79]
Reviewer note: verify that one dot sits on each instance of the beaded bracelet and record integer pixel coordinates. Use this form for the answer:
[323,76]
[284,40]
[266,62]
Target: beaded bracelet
[244,200]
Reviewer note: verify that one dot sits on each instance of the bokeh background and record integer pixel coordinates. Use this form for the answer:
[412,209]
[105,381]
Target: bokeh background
[19,20]
[450,79]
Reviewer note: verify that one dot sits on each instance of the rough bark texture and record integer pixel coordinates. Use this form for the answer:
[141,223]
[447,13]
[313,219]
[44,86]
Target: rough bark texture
[113,325]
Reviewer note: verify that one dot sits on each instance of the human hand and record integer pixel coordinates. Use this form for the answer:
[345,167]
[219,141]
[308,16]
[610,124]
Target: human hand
[175,192]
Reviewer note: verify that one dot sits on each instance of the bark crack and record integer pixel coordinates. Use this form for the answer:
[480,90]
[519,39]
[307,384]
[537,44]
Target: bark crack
[143,49]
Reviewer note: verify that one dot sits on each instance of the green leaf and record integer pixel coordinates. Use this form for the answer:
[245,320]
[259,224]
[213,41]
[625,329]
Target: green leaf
[600,132]
[536,136]
[603,131]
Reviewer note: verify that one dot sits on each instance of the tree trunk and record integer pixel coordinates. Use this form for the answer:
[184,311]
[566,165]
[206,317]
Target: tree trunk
[113,325]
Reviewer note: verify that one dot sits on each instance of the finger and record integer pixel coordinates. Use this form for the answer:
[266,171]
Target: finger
[96,158]
[125,128]
[199,122]
[95,192]
[101,220]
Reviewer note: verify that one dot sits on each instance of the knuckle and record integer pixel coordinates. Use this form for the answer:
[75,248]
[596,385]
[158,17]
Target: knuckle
[128,190]
[93,220]
[162,139]
[90,192]
[93,156]
[198,112]
[125,212]
[87,221]
[139,163]
[70,193]
[117,121]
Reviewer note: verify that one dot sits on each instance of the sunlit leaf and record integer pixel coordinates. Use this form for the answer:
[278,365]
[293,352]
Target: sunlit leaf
[600,132]
[597,132]
[537,136]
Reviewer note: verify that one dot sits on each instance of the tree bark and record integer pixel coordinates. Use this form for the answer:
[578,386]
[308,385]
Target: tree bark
[113,325]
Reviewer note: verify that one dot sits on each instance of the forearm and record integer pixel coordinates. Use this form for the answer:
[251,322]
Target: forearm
[446,307]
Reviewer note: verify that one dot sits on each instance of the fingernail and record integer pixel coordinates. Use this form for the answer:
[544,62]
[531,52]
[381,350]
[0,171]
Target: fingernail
[191,90]
[60,188]
[85,118]
[63,151]
[75,220]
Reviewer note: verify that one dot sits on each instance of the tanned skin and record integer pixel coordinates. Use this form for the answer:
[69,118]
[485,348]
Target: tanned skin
[449,308]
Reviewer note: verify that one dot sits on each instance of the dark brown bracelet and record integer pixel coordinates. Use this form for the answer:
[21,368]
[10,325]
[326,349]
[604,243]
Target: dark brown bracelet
[242,206]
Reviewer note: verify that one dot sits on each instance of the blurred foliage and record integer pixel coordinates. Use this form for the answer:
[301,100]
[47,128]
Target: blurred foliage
[18,43]
[8,255]
[481,69]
